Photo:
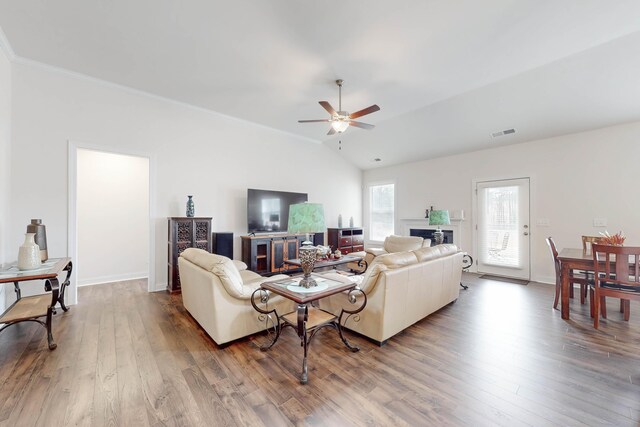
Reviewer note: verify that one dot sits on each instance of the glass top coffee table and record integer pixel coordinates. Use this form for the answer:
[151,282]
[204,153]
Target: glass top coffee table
[307,319]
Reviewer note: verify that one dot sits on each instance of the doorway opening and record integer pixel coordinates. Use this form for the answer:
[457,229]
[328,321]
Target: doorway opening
[110,235]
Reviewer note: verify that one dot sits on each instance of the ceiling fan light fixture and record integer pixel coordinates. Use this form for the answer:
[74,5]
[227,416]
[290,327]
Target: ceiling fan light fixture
[339,125]
[341,120]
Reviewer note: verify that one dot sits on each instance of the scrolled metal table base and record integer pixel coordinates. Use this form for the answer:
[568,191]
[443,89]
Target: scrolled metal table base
[274,327]
[467,262]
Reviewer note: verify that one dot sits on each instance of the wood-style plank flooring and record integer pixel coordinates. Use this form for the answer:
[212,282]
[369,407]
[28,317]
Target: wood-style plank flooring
[499,356]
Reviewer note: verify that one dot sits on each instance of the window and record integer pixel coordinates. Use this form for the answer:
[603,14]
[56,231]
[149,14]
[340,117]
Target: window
[381,211]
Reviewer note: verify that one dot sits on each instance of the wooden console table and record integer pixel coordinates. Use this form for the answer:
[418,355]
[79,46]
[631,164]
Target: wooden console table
[30,309]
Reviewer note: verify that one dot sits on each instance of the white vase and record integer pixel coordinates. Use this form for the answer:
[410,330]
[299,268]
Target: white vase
[29,253]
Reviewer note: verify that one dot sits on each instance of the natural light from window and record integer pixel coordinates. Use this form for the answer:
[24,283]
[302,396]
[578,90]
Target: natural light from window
[381,208]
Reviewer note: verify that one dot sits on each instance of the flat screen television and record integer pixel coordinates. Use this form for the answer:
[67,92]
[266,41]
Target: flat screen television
[268,210]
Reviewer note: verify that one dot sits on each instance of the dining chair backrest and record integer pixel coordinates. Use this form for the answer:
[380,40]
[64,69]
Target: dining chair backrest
[617,267]
[554,253]
[588,241]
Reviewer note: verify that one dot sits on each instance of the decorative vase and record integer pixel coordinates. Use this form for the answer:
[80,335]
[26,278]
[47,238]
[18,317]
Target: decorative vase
[351,222]
[340,221]
[191,209]
[29,253]
[40,231]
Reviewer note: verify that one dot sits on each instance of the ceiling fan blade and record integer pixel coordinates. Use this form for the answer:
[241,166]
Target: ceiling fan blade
[313,121]
[361,125]
[328,107]
[331,131]
[364,112]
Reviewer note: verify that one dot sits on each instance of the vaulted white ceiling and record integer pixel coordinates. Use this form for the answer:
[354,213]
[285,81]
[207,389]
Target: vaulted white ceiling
[445,73]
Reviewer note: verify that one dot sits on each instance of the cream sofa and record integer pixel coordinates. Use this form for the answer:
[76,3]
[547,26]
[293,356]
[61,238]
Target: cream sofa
[391,244]
[403,288]
[216,291]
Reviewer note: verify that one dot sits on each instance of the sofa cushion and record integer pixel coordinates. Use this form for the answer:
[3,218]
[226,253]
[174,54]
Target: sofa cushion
[397,259]
[402,243]
[219,265]
[427,254]
[249,276]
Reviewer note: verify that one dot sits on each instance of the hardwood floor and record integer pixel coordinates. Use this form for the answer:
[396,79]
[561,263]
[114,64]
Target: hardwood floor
[499,356]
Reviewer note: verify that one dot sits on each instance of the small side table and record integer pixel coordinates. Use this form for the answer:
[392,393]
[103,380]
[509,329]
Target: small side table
[307,319]
[30,309]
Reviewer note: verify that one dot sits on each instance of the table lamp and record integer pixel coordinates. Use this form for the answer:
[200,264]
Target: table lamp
[306,218]
[439,218]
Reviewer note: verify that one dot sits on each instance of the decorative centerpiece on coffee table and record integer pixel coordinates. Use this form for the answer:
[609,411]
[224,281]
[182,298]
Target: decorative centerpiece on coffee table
[307,218]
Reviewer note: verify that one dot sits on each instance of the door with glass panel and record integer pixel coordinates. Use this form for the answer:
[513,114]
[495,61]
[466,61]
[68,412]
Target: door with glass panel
[502,227]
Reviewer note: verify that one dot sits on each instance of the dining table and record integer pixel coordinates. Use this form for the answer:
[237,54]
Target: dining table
[571,259]
[575,259]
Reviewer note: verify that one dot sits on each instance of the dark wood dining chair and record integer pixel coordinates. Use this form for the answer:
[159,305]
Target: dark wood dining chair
[574,278]
[616,274]
[588,241]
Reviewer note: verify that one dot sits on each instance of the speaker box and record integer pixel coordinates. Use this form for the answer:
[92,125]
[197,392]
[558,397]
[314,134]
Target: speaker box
[318,239]
[223,244]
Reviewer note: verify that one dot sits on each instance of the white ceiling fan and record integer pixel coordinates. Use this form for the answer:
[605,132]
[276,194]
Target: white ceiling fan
[341,120]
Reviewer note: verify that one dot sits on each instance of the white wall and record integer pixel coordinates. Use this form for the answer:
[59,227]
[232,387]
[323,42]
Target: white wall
[5,165]
[112,217]
[192,151]
[574,179]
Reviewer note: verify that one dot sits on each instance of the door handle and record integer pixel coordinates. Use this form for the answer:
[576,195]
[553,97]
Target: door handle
[526,233]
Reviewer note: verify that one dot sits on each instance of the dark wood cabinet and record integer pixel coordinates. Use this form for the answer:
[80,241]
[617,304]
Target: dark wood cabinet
[267,254]
[185,233]
[346,239]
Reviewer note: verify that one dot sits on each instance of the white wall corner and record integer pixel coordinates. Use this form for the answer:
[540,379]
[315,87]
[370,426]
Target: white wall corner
[6,46]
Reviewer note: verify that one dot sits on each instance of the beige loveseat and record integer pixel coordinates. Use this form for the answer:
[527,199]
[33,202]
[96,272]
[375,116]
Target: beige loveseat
[216,291]
[403,288]
[391,244]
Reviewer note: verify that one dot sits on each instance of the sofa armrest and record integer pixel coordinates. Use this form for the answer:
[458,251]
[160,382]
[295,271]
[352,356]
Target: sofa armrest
[375,251]
[239,265]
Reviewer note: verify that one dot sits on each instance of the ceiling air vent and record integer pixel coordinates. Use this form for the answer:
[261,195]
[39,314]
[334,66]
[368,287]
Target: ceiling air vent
[503,132]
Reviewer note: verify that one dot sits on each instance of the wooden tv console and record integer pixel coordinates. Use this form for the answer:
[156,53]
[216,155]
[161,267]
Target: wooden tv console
[266,253]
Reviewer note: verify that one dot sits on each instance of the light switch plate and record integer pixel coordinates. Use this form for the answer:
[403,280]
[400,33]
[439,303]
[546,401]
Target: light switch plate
[599,222]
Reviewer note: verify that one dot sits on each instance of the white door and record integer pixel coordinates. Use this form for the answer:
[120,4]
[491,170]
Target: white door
[503,227]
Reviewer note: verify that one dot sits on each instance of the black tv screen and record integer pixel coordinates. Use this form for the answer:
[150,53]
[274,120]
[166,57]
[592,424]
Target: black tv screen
[268,211]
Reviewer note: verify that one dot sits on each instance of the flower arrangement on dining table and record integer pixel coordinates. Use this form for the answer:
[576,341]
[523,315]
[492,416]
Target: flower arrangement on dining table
[615,240]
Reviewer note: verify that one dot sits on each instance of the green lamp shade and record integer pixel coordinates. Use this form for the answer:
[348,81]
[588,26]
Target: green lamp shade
[439,218]
[306,218]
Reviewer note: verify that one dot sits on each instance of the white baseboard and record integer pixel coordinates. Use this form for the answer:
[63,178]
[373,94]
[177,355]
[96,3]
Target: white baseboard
[113,278]
[159,287]
[544,279]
